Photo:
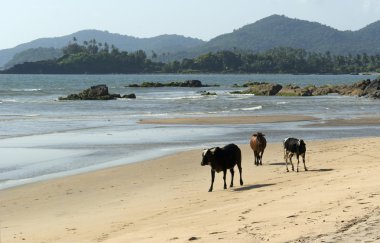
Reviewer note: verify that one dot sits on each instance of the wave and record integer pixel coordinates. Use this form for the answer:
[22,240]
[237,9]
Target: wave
[194,97]
[9,101]
[25,90]
[282,102]
[249,108]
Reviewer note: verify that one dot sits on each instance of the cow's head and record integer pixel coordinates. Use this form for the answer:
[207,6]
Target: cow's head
[208,156]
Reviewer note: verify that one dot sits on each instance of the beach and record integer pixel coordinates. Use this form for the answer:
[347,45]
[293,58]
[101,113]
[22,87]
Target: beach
[129,170]
[167,200]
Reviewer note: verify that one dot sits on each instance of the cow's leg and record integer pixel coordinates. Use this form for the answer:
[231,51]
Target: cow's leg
[240,172]
[298,161]
[261,157]
[224,178]
[256,157]
[291,162]
[304,162]
[212,180]
[232,177]
[286,160]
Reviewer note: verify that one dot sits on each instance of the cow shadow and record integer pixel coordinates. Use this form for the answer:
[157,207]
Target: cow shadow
[278,163]
[251,187]
[321,170]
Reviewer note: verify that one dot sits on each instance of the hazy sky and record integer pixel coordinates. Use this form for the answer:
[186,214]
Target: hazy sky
[25,20]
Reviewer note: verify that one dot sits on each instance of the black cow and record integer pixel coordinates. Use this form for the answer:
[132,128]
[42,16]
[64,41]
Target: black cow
[221,159]
[294,146]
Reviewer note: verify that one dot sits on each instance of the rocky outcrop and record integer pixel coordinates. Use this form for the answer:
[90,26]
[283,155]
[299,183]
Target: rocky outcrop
[366,88]
[373,89]
[129,96]
[206,93]
[294,90]
[187,83]
[262,89]
[98,92]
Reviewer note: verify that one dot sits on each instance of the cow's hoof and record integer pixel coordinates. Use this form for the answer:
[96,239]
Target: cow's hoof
[210,190]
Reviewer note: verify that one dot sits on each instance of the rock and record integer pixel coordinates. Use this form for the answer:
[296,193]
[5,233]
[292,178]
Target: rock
[187,83]
[98,92]
[207,93]
[290,90]
[373,89]
[263,89]
[192,83]
[324,90]
[129,96]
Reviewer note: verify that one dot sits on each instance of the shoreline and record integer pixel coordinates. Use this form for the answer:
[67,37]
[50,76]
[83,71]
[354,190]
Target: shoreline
[231,120]
[166,199]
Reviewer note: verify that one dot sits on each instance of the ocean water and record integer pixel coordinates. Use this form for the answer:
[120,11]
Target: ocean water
[42,138]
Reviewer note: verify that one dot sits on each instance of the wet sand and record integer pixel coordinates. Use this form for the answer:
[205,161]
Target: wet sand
[229,120]
[166,200]
[363,121]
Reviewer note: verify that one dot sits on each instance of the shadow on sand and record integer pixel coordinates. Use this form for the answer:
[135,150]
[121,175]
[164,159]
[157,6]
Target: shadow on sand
[251,187]
[321,170]
[279,163]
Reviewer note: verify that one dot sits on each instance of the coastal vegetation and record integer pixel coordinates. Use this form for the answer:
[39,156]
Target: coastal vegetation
[101,58]
[263,35]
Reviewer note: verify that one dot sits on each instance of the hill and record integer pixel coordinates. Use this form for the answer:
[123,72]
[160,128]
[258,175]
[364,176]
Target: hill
[265,34]
[159,44]
[281,31]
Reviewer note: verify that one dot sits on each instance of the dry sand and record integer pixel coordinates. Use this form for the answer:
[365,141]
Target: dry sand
[166,200]
[229,120]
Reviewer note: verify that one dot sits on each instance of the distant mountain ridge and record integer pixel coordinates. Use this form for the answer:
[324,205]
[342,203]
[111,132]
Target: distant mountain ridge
[281,31]
[158,44]
[270,32]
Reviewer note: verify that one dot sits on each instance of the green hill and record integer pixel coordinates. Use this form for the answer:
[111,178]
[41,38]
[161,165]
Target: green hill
[281,31]
[159,44]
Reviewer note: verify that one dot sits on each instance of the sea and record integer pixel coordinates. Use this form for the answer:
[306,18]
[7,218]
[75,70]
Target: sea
[43,138]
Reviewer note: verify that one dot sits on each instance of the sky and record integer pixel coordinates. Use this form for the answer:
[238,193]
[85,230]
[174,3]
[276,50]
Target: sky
[22,21]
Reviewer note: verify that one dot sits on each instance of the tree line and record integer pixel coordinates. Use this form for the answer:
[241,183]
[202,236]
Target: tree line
[100,58]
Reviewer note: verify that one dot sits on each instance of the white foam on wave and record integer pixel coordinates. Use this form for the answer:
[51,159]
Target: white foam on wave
[9,101]
[249,108]
[282,103]
[25,90]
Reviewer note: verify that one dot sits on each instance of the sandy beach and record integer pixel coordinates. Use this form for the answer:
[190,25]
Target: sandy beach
[166,200]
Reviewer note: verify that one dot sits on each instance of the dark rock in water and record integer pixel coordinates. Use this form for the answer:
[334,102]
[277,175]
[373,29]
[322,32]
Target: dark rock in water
[207,93]
[192,83]
[373,89]
[262,89]
[98,92]
[129,96]
[187,83]
[324,90]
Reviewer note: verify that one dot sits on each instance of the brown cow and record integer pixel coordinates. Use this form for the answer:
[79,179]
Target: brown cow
[258,144]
